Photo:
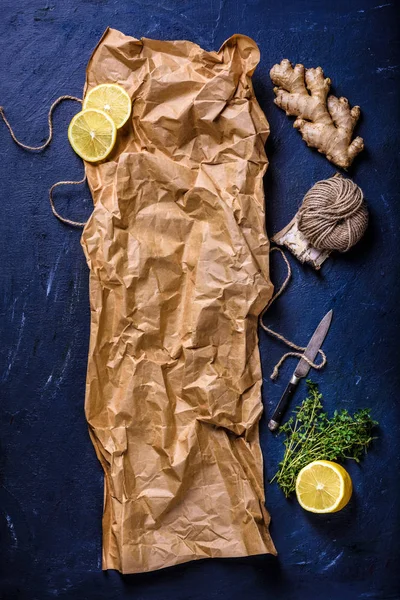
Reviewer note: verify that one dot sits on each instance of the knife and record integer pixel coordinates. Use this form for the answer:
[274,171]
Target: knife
[301,370]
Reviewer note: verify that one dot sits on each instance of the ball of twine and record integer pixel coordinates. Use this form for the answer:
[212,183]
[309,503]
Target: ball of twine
[333,215]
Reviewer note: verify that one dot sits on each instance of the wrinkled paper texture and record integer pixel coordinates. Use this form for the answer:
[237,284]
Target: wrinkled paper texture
[178,259]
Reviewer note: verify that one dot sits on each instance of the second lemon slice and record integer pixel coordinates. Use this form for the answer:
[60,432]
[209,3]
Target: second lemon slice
[323,487]
[112,99]
[92,135]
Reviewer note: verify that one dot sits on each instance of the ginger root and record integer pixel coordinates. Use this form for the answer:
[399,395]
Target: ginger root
[325,123]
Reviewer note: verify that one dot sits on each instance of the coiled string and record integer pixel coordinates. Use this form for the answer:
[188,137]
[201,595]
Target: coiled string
[333,215]
[42,147]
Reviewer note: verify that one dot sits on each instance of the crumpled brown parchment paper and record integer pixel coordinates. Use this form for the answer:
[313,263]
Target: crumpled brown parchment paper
[178,259]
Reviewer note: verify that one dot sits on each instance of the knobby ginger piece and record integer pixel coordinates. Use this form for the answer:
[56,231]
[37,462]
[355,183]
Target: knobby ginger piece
[325,122]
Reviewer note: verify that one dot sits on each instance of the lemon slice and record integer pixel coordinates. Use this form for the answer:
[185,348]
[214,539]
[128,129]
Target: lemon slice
[323,487]
[92,135]
[111,99]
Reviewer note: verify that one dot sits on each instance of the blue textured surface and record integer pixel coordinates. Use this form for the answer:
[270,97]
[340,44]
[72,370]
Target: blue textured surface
[52,484]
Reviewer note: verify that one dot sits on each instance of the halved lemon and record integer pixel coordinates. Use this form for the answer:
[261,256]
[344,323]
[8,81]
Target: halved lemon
[92,135]
[323,487]
[112,99]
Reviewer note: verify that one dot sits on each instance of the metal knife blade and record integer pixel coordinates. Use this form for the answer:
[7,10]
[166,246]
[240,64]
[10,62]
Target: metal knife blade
[301,370]
[313,346]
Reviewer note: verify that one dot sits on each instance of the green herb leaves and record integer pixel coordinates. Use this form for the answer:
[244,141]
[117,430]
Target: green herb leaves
[311,435]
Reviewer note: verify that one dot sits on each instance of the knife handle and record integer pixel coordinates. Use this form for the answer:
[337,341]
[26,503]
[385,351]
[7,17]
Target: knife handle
[283,404]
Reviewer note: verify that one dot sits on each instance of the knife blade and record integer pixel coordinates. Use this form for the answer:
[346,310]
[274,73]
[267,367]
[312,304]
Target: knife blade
[301,370]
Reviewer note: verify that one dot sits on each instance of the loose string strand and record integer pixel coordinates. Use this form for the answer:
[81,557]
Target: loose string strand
[53,208]
[49,121]
[300,349]
[42,147]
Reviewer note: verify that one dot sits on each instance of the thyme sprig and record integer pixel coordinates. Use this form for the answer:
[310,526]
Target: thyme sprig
[312,435]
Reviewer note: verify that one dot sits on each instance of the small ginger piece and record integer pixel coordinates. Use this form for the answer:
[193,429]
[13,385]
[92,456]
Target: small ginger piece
[325,122]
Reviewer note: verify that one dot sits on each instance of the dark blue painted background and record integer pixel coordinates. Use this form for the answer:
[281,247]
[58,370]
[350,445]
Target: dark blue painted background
[52,485]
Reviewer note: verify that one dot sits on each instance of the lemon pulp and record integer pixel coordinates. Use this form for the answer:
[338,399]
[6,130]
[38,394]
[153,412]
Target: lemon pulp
[323,487]
[112,99]
[92,135]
